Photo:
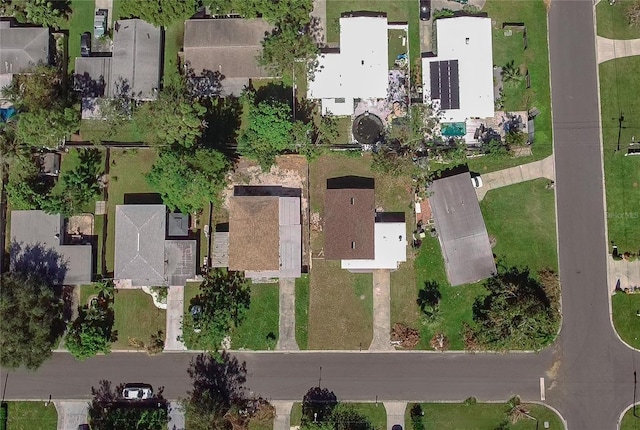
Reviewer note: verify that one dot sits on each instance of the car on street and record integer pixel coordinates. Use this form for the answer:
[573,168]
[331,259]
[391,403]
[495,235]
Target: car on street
[85,44]
[100,23]
[476,181]
[137,391]
[425,10]
[196,315]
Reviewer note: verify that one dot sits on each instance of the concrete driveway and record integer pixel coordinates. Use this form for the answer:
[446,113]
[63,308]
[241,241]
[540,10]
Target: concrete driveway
[175,310]
[381,311]
[608,49]
[176,417]
[287,316]
[71,414]
[395,413]
[538,169]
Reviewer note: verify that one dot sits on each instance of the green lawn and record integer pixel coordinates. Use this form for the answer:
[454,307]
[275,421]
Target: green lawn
[31,415]
[519,215]
[612,20]
[70,161]
[375,411]
[535,58]
[127,175]
[136,317]
[481,416]
[86,292]
[94,130]
[396,11]
[259,330]
[396,47]
[619,90]
[629,422]
[302,312]
[625,319]
[173,38]
[81,21]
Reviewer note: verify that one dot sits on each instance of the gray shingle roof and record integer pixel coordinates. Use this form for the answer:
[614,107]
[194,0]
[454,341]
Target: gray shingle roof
[22,47]
[139,244]
[137,48]
[461,230]
[29,228]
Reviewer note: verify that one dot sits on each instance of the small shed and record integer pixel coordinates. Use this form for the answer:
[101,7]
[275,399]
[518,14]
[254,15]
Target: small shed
[50,164]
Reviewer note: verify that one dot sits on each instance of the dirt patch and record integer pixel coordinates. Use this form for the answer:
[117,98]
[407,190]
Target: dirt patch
[79,229]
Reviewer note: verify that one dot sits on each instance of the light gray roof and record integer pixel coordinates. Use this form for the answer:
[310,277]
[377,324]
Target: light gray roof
[139,247]
[31,228]
[180,257]
[22,47]
[178,225]
[92,76]
[461,230]
[230,46]
[137,48]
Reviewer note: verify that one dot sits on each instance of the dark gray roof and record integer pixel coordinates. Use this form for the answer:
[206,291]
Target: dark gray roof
[22,47]
[29,228]
[229,46]
[178,225]
[180,258]
[137,48]
[139,244]
[445,83]
[461,230]
[92,76]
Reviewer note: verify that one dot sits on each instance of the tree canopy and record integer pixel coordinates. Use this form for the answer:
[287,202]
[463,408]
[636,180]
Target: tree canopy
[224,298]
[46,128]
[160,13]
[47,13]
[318,405]
[108,412]
[189,179]
[516,314]
[26,188]
[32,331]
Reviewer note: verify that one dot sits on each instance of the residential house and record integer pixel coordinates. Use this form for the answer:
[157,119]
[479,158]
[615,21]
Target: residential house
[354,233]
[38,238]
[358,69]
[463,236]
[229,46]
[144,255]
[22,47]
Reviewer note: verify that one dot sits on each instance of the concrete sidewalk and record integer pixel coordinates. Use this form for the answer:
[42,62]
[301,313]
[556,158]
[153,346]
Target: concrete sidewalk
[538,169]
[381,311]
[625,272]
[609,49]
[175,311]
[287,316]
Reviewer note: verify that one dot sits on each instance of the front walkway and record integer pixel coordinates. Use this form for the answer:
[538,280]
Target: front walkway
[283,415]
[381,311]
[287,316]
[71,414]
[395,413]
[608,49]
[538,169]
[176,417]
[627,273]
[175,310]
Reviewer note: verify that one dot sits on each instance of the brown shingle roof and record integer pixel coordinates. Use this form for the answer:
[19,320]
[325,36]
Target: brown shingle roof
[254,233]
[349,224]
[230,46]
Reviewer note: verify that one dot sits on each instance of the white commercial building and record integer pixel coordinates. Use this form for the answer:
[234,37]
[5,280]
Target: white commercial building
[390,248]
[459,80]
[358,70]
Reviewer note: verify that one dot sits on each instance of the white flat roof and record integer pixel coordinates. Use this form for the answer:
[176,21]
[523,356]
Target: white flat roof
[359,70]
[466,39]
[390,248]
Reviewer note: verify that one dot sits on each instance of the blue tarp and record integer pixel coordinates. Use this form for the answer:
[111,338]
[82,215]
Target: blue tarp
[7,113]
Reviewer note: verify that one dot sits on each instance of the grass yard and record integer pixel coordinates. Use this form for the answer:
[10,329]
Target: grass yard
[136,317]
[481,416]
[619,91]
[396,11]
[612,21]
[625,318]
[81,20]
[70,161]
[86,292]
[173,39]
[519,215]
[264,424]
[31,415]
[95,130]
[127,175]
[629,422]
[535,58]
[302,312]
[259,330]
[376,413]
[398,44]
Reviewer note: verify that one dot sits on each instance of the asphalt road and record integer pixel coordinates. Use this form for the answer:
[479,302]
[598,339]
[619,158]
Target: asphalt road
[589,373]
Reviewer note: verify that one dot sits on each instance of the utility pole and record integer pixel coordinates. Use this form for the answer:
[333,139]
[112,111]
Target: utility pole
[320,378]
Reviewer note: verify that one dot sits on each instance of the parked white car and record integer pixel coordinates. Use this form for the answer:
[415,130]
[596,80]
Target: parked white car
[476,181]
[137,392]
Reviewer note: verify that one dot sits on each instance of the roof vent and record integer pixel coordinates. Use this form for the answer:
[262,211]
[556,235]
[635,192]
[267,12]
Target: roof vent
[353,245]
[466,40]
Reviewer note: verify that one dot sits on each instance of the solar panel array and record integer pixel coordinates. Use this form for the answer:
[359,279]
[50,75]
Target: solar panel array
[445,84]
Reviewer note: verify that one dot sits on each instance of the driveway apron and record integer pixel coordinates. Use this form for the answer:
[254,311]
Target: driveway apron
[71,414]
[175,309]
[381,311]
[287,316]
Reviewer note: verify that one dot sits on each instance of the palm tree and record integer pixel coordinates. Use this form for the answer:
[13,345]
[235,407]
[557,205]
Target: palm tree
[511,73]
[518,411]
